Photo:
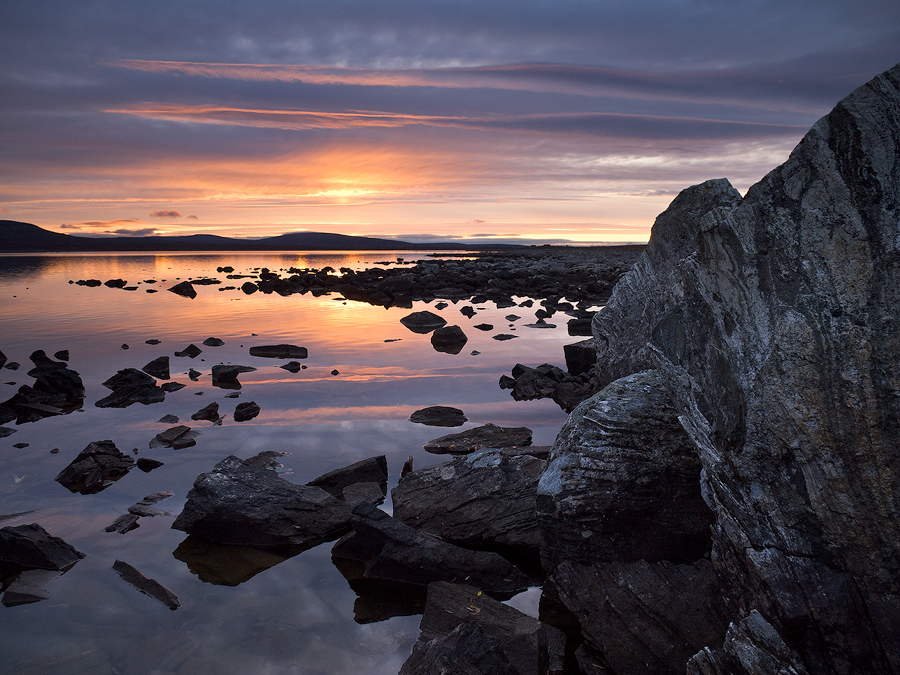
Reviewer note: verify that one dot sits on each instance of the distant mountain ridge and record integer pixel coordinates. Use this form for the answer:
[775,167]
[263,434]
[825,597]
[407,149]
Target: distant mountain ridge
[18,237]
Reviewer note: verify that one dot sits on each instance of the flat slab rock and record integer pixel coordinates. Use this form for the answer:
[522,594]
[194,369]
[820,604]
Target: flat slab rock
[95,468]
[439,416]
[496,638]
[483,500]
[280,351]
[485,436]
[147,586]
[394,551]
[240,503]
[367,471]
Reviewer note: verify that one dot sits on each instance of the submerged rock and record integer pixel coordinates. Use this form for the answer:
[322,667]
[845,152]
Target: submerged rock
[95,468]
[439,416]
[229,564]
[239,503]
[485,436]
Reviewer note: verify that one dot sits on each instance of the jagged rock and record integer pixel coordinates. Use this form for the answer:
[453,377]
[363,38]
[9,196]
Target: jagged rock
[169,419]
[423,322]
[483,326]
[95,468]
[623,481]
[371,493]
[580,356]
[147,465]
[184,289]
[193,375]
[579,326]
[32,547]
[239,503]
[213,341]
[62,355]
[751,646]
[484,500]
[158,368]
[57,390]
[192,351]
[449,339]
[124,524]
[485,436]
[225,376]
[144,508]
[292,367]
[7,431]
[131,386]
[643,618]
[210,413]
[371,470]
[169,387]
[774,319]
[468,311]
[439,416]
[393,551]
[280,351]
[3,359]
[464,630]
[244,412]
[147,586]
[502,337]
[175,437]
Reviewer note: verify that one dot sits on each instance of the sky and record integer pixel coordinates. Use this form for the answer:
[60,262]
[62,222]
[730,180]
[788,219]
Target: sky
[490,120]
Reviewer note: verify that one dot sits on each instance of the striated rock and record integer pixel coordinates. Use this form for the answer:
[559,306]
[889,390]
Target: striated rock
[422,322]
[280,351]
[244,412]
[239,503]
[774,320]
[439,416]
[226,376]
[449,339]
[95,468]
[623,481]
[371,470]
[485,436]
[184,289]
[642,618]
[131,386]
[506,640]
[147,586]
[393,551]
[484,500]
[144,508]
[124,524]
[158,368]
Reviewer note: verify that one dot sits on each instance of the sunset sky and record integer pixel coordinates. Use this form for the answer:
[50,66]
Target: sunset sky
[422,120]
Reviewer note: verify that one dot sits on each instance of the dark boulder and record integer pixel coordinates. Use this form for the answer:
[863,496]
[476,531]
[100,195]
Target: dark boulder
[226,376]
[32,547]
[394,551]
[371,470]
[229,564]
[95,468]
[422,322]
[175,437]
[192,351]
[62,355]
[292,367]
[115,283]
[439,416]
[580,357]
[210,413]
[484,500]
[169,387]
[449,339]
[147,465]
[57,390]
[213,342]
[158,368]
[131,386]
[244,412]
[239,503]
[279,351]
[184,289]
[485,436]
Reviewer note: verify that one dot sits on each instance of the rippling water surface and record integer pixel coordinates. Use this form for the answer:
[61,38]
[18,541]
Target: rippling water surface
[296,616]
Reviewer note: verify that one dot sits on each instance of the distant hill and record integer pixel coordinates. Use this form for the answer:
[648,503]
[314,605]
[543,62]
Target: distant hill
[16,237]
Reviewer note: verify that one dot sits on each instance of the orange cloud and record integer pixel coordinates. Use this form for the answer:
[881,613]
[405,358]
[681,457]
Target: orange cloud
[165,213]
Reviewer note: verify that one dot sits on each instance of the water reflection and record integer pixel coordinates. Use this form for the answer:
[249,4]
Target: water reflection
[229,564]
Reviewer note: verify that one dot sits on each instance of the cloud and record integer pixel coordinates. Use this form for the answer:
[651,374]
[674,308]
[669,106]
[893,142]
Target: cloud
[475,221]
[144,232]
[68,226]
[165,213]
[192,217]
[105,223]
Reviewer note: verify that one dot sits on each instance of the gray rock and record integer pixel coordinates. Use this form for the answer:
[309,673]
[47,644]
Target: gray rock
[280,351]
[169,387]
[178,438]
[244,412]
[226,376]
[485,436]
[449,339]
[32,547]
[623,482]
[393,551]
[7,431]
[184,289]
[371,493]
[507,639]
[371,470]
[239,503]
[580,357]
[124,524]
[774,319]
[131,386]
[210,413]
[643,618]
[169,419]
[158,368]
[484,500]
[144,508]
[147,586]
[423,322]
[439,416]
[57,390]
[95,468]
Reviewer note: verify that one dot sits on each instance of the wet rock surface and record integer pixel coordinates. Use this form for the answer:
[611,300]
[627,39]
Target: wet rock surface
[95,468]
[485,436]
[149,587]
[246,411]
[30,558]
[484,500]
[179,437]
[372,470]
[131,386]
[439,416]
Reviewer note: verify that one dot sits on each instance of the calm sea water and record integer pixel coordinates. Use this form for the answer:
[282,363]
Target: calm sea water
[296,616]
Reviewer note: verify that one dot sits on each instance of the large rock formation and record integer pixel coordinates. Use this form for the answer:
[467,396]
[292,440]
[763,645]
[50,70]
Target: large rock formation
[774,319]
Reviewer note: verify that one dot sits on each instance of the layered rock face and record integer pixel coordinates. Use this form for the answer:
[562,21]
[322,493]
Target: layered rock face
[774,321]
